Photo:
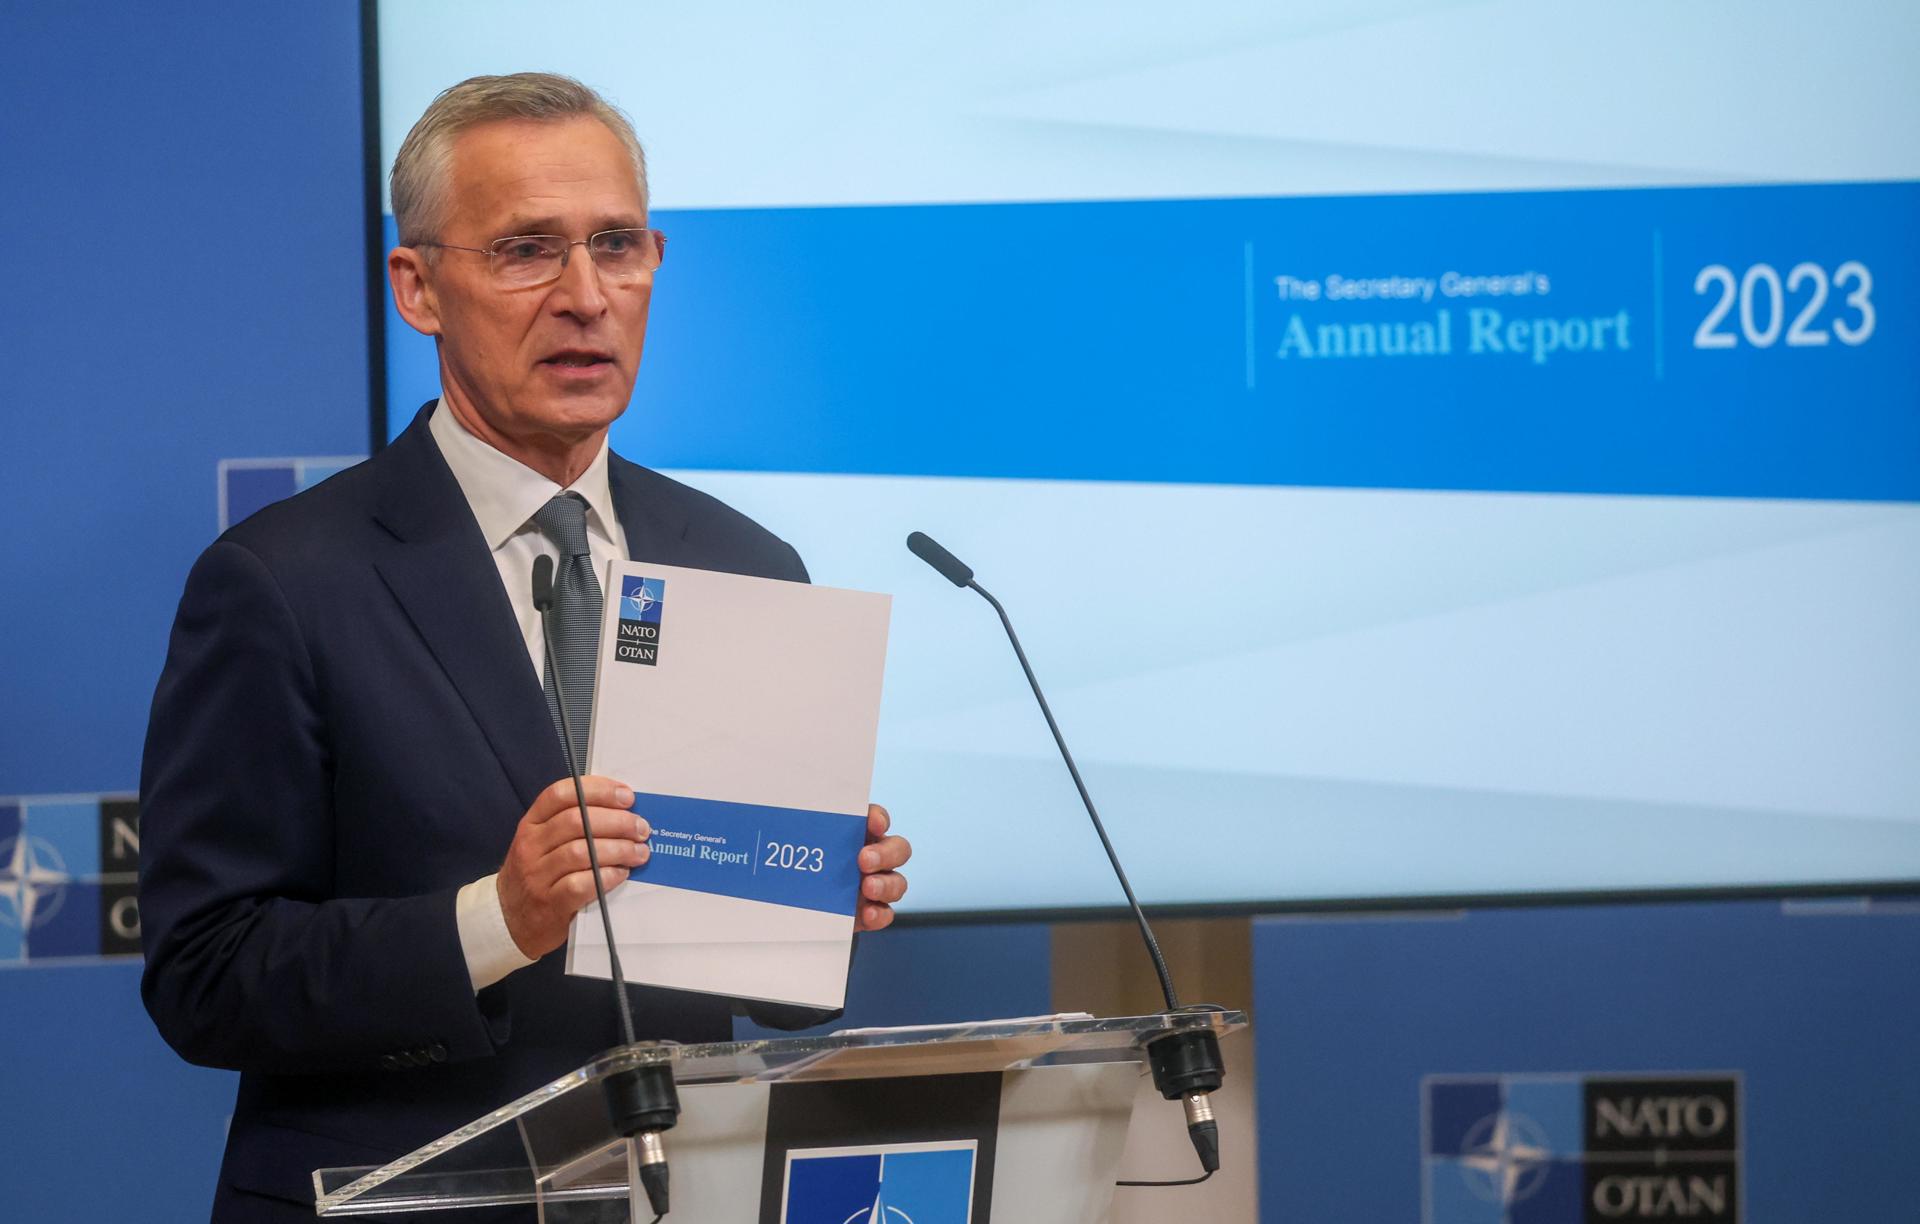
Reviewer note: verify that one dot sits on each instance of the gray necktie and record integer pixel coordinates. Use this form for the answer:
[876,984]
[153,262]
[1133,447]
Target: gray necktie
[575,619]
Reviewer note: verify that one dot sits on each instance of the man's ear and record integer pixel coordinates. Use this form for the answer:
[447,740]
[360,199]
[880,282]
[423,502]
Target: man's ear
[413,295]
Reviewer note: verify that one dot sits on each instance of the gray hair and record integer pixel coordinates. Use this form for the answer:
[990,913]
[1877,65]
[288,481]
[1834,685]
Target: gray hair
[423,166]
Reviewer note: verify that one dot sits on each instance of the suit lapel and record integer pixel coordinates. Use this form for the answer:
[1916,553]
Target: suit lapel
[441,571]
[653,533]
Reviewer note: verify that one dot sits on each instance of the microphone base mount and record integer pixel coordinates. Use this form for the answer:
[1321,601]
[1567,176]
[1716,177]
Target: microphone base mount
[641,1099]
[1186,1063]
[642,1102]
[1187,1067]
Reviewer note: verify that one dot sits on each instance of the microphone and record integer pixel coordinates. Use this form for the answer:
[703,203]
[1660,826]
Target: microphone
[951,568]
[1186,1063]
[543,592]
[641,1100]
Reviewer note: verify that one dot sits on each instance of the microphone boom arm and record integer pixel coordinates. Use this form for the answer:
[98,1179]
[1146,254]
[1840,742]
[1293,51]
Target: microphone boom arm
[1186,1063]
[1146,932]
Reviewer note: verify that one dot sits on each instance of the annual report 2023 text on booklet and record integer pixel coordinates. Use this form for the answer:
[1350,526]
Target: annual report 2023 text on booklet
[743,713]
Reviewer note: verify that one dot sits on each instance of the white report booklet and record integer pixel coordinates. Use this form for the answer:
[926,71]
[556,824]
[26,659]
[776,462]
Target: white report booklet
[743,713]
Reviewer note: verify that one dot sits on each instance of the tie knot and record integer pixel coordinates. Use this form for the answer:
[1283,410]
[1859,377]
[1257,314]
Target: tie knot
[564,521]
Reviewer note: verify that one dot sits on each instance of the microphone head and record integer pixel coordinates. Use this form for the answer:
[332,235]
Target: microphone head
[951,567]
[542,583]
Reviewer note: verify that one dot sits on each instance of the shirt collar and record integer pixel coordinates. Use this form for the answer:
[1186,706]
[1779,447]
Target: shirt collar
[504,493]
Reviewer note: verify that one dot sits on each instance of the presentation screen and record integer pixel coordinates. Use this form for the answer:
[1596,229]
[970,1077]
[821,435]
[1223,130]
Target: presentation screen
[1430,450]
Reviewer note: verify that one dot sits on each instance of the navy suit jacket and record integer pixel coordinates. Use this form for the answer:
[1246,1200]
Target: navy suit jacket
[348,729]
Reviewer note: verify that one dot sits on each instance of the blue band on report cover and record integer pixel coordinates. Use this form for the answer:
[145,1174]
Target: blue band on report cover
[782,856]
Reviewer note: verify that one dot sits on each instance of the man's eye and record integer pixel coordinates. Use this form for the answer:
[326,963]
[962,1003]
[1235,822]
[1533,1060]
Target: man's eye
[616,244]
[525,250]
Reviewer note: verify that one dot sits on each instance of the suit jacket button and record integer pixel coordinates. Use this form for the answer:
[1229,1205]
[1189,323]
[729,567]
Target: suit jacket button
[437,1052]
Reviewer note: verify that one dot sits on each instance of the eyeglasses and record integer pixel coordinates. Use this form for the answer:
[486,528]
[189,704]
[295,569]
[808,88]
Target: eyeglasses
[527,260]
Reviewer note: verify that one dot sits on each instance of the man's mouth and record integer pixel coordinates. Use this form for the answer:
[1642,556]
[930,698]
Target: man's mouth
[577,359]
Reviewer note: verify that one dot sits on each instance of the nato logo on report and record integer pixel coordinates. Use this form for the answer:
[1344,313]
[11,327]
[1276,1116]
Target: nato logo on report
[641,600]
[69,865]
[1580,1149]
[908,1183]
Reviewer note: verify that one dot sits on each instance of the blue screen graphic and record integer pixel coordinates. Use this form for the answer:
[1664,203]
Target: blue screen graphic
[1407,481]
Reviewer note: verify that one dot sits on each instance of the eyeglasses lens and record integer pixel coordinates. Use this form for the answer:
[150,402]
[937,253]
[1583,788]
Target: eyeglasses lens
[534,259]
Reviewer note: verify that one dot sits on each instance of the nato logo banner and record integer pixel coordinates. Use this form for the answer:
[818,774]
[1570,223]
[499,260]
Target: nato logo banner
[250,485]
[69,866]
[908,1150]
[1580,1149]
[641,600]
[906,1183]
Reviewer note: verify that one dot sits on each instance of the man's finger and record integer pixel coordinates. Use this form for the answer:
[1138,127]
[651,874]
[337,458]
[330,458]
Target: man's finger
[878,822]
[874,917]
[571,857]
[560,797]
[608,824]
[887,854]
[576,890]
[887,886]
[605,822]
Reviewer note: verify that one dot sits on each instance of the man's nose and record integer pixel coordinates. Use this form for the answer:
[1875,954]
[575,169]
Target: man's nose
[578,292]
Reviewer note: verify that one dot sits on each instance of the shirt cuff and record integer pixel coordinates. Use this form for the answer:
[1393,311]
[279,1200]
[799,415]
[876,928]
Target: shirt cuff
[484,939]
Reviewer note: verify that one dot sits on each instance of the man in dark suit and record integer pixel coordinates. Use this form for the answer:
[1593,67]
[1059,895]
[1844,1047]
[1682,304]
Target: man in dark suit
[359,851]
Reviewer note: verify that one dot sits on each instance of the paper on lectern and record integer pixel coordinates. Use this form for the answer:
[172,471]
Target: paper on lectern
[743,713]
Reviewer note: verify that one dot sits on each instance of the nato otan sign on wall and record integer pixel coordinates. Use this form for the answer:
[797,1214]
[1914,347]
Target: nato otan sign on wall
[69,866]
[1580,1149]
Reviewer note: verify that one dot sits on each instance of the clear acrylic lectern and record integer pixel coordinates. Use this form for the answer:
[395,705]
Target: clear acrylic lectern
[1032,1113]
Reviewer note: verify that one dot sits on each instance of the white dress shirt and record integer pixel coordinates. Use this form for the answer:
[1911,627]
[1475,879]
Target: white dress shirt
[504,494]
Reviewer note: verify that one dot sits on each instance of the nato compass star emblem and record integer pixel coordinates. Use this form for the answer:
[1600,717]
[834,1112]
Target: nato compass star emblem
[33,881]
[639,600]
[879,1213]
[1505,1157]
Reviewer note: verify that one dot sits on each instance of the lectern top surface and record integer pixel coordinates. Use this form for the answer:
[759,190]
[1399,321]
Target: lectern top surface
[512,1153]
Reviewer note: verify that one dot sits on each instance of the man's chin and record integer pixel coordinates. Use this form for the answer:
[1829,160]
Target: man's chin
[579,409]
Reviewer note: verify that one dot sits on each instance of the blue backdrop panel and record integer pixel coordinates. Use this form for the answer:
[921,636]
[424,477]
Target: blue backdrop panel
[187,286]
[105,1122]
[193,290]
[1808,1009]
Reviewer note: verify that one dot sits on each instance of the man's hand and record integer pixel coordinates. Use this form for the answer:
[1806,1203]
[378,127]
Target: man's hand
[881,883]
[546,878]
